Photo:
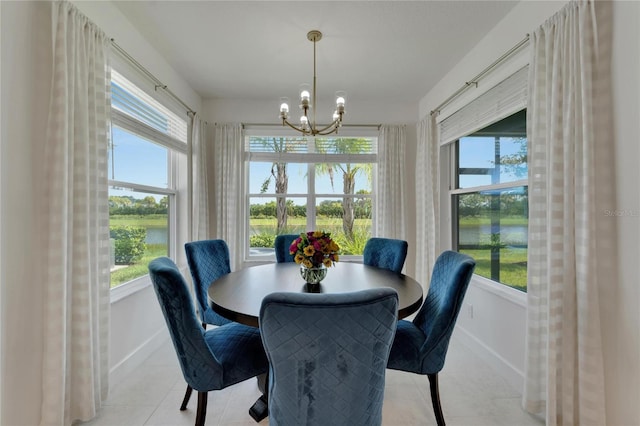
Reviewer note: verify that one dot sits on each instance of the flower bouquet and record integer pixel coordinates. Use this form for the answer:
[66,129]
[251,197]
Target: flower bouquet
[314,251]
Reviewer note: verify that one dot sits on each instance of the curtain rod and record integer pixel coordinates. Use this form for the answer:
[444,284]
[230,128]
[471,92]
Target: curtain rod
[158,83]
[474,81]
[377,126]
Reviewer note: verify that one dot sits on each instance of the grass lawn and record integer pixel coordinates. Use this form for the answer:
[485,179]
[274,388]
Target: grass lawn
[266,227]
[513,268]
[513,265]
[299,224]
[146,221]
[138,269]
[485,220]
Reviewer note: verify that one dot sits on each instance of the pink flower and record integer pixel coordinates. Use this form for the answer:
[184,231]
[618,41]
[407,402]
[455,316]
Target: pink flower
[315,248]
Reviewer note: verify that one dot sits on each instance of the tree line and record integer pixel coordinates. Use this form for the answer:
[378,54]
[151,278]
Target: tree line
[128,205]
[326,208]
[478,204]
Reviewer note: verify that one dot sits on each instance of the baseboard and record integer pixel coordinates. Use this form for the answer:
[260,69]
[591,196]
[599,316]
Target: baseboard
[129,364]
[502,367]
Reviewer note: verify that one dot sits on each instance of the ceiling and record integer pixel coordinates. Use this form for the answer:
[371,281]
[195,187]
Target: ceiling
[392,51]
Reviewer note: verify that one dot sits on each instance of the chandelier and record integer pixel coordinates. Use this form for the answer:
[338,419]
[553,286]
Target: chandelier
[308,102]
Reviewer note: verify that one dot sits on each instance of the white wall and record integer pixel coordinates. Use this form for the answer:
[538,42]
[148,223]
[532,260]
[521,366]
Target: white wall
[26,75]
[109,18]
[496,328]
[620,313]
[136,323]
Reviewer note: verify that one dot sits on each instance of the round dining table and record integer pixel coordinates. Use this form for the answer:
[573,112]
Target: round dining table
[238,295]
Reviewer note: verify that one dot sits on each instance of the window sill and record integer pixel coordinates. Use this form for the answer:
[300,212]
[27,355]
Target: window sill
[512,295]
[129,288]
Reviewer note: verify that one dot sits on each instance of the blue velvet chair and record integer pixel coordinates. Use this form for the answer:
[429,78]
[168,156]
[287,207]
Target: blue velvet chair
[210,360]
[327,356]
[420,346]
[281,245]
[208,260]
[385,253]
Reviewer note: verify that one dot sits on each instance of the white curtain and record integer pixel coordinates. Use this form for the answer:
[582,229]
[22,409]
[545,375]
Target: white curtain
[390,197]
[570,239]
[427,198]
[75,214]
[199,182]
[229,205]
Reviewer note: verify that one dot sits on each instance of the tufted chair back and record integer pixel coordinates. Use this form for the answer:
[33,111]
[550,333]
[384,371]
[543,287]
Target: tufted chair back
[210,360]
[281,245]
[439,312]
[385,253]
[421,346]
[208,260]
[200,368]
[327,356]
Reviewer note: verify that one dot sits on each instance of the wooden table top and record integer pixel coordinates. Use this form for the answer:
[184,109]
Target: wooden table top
[238,295]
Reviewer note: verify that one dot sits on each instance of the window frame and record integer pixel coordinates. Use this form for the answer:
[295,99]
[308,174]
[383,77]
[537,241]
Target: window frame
[453,191]
[311,159]
[175,149]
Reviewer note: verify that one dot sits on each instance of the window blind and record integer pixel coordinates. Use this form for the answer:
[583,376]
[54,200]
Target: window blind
[310,150]
[504,99]
[132,101]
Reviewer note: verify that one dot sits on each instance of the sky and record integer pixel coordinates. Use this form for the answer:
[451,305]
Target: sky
[137,160]
[297,183]
[478,152]
[146,163]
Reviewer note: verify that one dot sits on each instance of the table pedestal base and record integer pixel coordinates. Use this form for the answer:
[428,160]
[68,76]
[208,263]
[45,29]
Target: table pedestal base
[260,409]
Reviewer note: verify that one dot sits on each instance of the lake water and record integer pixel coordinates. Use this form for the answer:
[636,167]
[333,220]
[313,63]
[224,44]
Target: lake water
[516,235]
[509,234]
[157,236]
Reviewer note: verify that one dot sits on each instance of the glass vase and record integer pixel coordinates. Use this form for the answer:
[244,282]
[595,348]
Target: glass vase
[313,275]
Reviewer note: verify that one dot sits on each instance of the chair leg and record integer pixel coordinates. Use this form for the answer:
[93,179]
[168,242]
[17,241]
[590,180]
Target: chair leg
[202,408]
[187,395]
[435,398]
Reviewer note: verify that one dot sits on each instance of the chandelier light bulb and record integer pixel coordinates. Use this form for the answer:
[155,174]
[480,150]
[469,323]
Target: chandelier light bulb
[305,95]
[284,105]
[308,99]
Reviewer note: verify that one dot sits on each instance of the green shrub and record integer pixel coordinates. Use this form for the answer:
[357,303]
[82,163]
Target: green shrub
[262,240]
[129,243]
[355,245]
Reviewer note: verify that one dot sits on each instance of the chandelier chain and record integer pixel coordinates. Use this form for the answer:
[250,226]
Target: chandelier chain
[309,127]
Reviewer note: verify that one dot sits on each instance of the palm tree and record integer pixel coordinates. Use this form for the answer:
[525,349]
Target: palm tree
[349,173]
[279,175]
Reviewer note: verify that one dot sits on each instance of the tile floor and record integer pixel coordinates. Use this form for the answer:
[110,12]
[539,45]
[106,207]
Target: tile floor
[471,394]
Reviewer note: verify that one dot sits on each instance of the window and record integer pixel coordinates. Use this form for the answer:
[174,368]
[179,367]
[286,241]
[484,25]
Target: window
[490,200]
[147,141]
[297,184]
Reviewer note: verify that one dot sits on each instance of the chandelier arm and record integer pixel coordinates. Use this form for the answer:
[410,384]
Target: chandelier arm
[299,129]
[327,130]
[333,131]
[310,126]
[332,126]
